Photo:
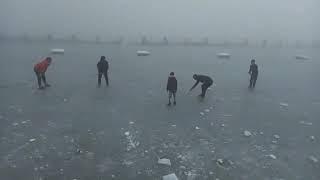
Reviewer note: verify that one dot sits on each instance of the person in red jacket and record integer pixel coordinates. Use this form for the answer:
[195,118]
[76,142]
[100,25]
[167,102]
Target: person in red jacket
[40,70]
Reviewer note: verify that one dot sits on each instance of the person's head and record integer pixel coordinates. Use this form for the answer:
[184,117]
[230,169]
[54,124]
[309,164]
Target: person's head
[195,77]
[253,61]
[172,74]
[49,60]
[102,58]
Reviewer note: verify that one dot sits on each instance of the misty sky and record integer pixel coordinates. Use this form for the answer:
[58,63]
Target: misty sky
[258,19]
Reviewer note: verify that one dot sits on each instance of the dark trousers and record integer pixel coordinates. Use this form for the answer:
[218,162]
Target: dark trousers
[253,80]
[105,74]
[204,88]
[41,76]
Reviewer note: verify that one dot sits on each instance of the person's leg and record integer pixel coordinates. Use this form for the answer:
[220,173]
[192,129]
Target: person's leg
[251,81]
[43,76]
[174,98]
[99,79]
[170,95]
[106,78]
[254,81]
[204,88]
[39,79]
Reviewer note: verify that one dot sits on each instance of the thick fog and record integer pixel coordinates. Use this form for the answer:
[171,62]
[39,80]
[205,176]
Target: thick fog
[258,19]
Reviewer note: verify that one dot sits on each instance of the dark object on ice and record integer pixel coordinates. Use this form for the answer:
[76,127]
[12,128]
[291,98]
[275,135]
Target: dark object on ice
[206,83]
[172,87]
[40,70]
[253,71]
[103,68]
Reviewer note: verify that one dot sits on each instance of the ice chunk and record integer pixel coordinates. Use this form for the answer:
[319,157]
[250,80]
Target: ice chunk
[282,104]
[173,125]
[57,51]
[211,124]
[223,125]
[15,124]
[306,123]
[131,122]
[302,57]
[276,136]
[223,55]
[220,161]
[272,156]
[247,133]
[32,140]
[127,133]
[202,113]
[65,100]
[197,128]
[313,159]
[143,53]
[170,177]
[312,138]
[164,161]
[207,110]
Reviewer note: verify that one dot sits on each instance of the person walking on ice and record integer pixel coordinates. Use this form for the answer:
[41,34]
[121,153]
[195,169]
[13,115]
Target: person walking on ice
[253,71]
[103,68]
[172,86]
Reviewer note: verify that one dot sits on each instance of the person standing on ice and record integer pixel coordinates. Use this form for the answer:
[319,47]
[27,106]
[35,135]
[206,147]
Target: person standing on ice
[172,86]
[103,68]
[40,70]
[206,83]
[253,71]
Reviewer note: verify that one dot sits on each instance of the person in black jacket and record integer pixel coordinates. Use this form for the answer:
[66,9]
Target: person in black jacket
[253,71]
[172,87]
[206,83]
[103,67]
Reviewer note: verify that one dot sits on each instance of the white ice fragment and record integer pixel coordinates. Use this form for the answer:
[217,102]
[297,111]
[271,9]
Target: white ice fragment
[276,136]
[227,115]
[173,125]
[211,124]
[65,100]
[202,113]
[306,123]
[15,124]
[261,133]
[127,133]
[274,142]
[170,177]
[247,133]
[211,173]
[57,51]
[272,156]
[164,161]
[143,53]
[32,140]
[282,104]
[220,161]
[223,125]
[23,122]
[313,159]
[131,122]
[207,110]
[197,128]
[312,138]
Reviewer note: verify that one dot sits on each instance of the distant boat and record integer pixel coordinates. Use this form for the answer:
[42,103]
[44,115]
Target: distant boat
[143,53]
[302,57]
[223,55]
[57,51]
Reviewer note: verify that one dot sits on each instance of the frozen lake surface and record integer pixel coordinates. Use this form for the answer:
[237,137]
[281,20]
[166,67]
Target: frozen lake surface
[74,130]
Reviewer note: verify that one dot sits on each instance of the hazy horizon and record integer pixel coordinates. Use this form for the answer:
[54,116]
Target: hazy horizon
[228,19]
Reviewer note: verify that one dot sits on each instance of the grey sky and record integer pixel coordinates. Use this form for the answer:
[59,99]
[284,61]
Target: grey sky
[258,19]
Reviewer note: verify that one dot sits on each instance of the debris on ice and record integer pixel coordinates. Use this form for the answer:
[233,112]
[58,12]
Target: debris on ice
[274,142]
[32,140]
[276,136]
[306,123]
[313,159]
[131,122]
[261,133]
[312,138]
[127,133]
[202,113]
[170,177]
[282,104]
[223,125]
[15,124]
[247,133]
[220,161]
[211,173]
[272,156]
[207,110]
[173,125]
[164,161]
[143,53]
[197,128]
[65,100]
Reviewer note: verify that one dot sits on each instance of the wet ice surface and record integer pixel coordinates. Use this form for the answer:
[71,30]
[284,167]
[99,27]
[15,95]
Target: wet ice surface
[74,130]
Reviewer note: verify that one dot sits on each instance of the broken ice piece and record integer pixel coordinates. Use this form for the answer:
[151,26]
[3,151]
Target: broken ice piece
[313,159]
[274,142]
[15,124]
[173,125]
[32,140]
[197,128]
[312,138]
[211,124]
[211,173]
[276,136]
[202,113]
[247,133]
[131,122]
[272,156]
[306,123]
[23,122]
[207,110]
[282,104]
[223,125]
[164,161]
[220,161]
[170,177]
[261,133]
[127,133]
[65,100]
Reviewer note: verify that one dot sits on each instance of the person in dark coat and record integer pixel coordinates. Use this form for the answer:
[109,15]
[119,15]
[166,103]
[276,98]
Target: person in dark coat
[172,87]
[253,71]
[206,83]
[103,68]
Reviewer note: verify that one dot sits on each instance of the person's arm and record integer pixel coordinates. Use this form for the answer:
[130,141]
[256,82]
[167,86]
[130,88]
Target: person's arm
[107,66]
[176,86]
[98,68]
[168,85]
[194,85]
[250,70]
